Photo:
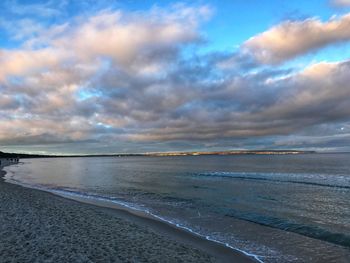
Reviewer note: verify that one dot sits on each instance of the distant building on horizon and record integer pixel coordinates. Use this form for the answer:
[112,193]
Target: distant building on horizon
[8,159]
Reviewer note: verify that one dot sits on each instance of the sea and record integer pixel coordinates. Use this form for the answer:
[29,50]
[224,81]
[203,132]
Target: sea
[275,208]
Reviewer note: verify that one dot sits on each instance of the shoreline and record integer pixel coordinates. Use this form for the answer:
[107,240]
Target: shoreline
[181,233]
[207,248]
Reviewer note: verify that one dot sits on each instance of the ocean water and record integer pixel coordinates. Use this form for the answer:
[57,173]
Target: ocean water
[279,208]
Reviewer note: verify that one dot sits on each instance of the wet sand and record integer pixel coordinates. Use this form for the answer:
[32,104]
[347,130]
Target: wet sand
[37,226]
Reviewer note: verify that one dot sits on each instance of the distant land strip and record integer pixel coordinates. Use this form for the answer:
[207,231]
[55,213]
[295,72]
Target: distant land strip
[159,154]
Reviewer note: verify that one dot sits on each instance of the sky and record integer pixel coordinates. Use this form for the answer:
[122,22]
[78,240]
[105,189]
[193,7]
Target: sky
[91,77]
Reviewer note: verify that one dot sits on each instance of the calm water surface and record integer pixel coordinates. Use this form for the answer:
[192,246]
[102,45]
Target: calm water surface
[290,208]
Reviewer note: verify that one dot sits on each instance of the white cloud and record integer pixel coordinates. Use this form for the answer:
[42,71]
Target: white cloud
[47,9]
[41,81]
[341,3]
[136,42]
[122,77]
[294,38]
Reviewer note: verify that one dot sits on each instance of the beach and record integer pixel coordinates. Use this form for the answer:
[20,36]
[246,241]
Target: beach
[37,226]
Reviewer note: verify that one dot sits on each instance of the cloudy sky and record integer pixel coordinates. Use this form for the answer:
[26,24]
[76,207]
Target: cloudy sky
[98,76]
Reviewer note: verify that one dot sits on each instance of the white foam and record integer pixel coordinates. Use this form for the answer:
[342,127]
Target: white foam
[132,207]
[149,213]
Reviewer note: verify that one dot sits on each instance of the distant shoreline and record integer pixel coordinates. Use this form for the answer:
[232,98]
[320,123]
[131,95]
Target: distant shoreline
[161,154]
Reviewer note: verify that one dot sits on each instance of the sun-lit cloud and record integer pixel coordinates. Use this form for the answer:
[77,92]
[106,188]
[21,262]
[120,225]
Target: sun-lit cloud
[294,38]
[116,80]
[341,3]
[111,52]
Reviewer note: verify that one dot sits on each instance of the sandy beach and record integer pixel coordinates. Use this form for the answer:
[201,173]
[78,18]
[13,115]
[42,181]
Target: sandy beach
[37,226]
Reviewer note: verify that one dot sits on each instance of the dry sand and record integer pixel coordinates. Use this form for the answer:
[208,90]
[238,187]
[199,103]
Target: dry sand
[37,226]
